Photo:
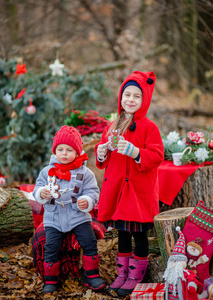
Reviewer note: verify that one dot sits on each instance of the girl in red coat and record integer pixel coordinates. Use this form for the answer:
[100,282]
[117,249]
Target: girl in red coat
[130,150]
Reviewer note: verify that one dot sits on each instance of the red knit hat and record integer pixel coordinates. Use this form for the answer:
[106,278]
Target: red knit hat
[69,136]
[179,248]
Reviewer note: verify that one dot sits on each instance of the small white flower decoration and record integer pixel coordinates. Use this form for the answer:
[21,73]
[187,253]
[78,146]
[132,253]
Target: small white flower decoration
[181,143]
[173,137]
[201,154]
[8,98]
[57,68]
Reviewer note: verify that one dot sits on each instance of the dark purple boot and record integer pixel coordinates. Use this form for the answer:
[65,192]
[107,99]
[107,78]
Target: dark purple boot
[136,272]
[91,274]
[51,277]
[122,267]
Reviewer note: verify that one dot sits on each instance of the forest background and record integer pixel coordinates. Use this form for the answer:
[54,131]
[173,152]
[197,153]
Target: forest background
[100,43]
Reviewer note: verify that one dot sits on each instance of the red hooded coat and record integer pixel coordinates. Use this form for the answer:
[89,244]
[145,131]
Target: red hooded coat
[130,190]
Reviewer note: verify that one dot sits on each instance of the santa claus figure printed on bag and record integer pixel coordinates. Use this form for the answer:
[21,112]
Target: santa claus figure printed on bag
[180,283]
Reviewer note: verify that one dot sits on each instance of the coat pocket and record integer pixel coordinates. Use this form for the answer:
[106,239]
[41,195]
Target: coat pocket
[75,207]
[49,211]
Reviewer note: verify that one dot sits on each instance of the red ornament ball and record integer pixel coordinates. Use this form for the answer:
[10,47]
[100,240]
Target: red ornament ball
[211,144]
[2,180]
[31,109]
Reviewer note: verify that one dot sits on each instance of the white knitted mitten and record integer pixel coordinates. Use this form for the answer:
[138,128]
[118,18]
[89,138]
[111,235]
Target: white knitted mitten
[127,148]
[102,151]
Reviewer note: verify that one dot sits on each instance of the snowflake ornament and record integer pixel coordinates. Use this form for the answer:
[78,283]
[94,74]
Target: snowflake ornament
[173,137]
[7,97]
[210,241]
[57,68]
[201,154]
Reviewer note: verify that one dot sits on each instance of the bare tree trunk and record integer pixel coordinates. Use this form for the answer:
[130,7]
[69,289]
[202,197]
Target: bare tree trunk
[119,20]
[205,44]
[186,27]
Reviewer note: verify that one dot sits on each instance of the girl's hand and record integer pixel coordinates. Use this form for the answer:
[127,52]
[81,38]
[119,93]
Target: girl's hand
[82,204]
[127,148]
[102,150]
[45,194]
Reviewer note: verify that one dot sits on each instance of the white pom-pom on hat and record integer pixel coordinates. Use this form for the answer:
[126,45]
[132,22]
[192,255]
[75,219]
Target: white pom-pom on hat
[177,228]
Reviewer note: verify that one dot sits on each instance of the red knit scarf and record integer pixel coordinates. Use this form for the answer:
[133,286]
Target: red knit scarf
[62,171]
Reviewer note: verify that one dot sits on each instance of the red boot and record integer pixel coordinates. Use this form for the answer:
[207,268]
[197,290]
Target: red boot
[91,274]
[51,277]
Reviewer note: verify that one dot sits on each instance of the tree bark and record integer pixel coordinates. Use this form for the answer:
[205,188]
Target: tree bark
[16,220]
[165,225]
[198,186]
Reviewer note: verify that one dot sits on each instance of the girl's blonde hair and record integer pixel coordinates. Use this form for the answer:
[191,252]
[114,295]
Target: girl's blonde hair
[121,123]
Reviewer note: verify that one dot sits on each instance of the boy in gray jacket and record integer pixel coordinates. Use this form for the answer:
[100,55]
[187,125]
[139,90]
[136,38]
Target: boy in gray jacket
[68,190]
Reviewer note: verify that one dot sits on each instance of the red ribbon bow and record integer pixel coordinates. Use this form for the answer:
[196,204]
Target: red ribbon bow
[158,288]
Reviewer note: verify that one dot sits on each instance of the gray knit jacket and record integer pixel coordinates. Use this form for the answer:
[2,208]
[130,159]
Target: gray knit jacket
[64,214]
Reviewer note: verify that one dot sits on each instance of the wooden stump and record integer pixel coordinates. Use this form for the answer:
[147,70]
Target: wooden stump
[198,186]
[165,224]
[16,220]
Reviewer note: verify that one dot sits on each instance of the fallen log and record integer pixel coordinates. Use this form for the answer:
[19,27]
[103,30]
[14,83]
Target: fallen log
[165,225]
[16,220]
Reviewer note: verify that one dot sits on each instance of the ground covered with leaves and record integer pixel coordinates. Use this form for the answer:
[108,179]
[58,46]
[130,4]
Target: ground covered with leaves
[18,279]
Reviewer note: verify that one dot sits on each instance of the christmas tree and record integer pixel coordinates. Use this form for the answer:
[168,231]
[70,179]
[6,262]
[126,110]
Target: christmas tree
[33,107]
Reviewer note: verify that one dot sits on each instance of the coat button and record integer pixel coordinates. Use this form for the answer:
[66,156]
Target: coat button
[105,179]
[126,179]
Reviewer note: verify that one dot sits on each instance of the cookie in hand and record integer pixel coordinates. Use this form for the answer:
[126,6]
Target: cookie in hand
[114,138]
[53,187]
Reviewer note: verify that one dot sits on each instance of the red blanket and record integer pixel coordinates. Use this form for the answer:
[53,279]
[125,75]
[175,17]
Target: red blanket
[70,250]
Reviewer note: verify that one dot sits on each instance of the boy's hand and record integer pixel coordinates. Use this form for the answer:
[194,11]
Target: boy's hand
[45,194]
[102,150]
[127,148]
[82,204]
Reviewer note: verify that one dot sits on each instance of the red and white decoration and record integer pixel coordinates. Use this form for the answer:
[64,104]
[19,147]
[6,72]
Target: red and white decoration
[2,180]
[31,108]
